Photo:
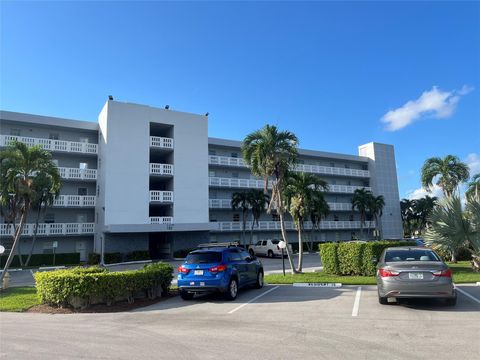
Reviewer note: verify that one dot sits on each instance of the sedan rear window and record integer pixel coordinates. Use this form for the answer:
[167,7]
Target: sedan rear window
[410,255]
[204,258]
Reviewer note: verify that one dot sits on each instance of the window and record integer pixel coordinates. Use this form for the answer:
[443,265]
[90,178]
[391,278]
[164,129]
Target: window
[258,243]
[204,258]
[213,220]
[349,182]
[332,164]
[47,247]
[83,165]
[53,136]
[235,175]
[365,183]
[49,218]
[347,166]
[213,194]
[81,218]
[236,217]
[300,161]
[234,255]
[55,161]
[82,191]
[264,243]
[211,173]
[335,217]
[364,167]
[275,217]
[15,132]
[410,255]
[351,217]
[245,255]
[234,155]
[84,140]
[212,152]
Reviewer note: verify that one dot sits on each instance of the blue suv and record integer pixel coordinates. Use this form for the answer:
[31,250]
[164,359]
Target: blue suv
[218,267]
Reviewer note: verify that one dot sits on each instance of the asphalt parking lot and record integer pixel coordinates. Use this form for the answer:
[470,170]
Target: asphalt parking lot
[276,322]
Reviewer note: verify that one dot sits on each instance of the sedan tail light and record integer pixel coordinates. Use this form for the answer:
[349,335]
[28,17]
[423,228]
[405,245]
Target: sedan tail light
[388,273]
[183,270]
[217,268]
[443,273]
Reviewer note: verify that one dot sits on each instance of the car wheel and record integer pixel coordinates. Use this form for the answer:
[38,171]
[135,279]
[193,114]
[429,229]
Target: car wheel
[270,253]
[452,301]
[382,300]
[185,295]
[251,252]
[232,290]
[259,283]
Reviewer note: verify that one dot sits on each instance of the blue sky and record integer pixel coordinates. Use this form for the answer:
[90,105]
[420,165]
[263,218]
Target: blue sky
[338,74]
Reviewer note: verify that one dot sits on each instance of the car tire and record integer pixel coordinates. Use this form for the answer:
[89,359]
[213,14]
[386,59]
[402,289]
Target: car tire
[232,290]
[383,300]
[270,254]
[259,283]
[185,295]
[452,301]
[251,252]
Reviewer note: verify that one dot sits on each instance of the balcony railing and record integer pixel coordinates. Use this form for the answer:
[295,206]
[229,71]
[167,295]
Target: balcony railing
[237,183]
[77,173]
[290,225]
[51,229]
[161,220]
[161,169]
[52,145]
[315,169]
[226,204]
[161,142]
[74,201]
[346,188]
[161,196]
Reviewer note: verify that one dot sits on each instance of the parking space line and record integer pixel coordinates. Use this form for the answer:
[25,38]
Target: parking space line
[252,300]
[356,304]
[467,295]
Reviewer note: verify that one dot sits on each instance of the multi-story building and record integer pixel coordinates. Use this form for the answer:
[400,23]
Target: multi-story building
[144,178]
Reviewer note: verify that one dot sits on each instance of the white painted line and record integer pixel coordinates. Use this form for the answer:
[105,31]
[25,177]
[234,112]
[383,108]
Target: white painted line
[254,299]
[356,304]
[468,295]
[328,285]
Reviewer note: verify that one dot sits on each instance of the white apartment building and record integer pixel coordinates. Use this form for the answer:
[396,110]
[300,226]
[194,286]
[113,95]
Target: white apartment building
[144,178]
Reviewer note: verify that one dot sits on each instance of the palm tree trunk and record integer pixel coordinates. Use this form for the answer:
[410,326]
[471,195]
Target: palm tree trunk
[300,249]
[34,236]
[361,225]
[285,238]
[454,257]
[244,224]
[16,240]
[251,231]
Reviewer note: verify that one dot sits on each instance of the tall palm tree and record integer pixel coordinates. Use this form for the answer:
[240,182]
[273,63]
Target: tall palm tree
[450,172]
[423,208]
[375,208]
[299,192]
[319,210]
[270,153]
[360,201]
[473,190]
[258,201]
[408,216]
[20,168]
[240,200]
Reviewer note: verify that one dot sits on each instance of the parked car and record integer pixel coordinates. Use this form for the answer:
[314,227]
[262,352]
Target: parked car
[414,272]
[218,268]
[268,248]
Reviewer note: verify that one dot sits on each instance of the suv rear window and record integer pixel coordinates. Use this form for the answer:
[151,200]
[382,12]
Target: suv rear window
[410,255]
[204,258]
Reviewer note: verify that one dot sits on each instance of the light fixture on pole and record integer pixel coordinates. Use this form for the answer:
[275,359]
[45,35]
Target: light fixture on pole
[282,245]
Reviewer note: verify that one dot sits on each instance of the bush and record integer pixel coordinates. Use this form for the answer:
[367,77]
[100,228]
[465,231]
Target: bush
[351,258]
[94,259]
[80,287]
[464,254]
[113,258]
[138,255]
[44,260]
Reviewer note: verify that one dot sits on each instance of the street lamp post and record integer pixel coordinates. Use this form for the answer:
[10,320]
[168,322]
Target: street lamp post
[282,245]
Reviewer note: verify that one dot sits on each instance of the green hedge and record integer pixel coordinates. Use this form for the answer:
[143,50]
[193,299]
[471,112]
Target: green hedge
[138,255]
[44,260]
[80,287]
[350,258]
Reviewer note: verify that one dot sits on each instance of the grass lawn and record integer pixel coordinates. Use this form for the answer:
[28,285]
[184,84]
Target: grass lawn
[462,273]
[18,299]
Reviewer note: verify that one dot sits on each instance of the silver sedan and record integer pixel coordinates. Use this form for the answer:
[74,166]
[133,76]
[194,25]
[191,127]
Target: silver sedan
[414,272]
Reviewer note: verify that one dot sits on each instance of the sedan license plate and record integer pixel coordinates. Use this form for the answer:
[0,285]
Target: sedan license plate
[415,276]
[198,272]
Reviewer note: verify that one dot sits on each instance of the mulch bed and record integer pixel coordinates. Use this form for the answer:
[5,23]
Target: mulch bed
[101,308]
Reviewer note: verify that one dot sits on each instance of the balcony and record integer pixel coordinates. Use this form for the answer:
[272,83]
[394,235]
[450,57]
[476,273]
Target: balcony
[52,145]
[161,196]
[226,204]
[315,169]
[74,201]
[77,173]
[290,225]
[51,229]
[161,220]
[158,142]
[349,189]
[161,169]
[237,183]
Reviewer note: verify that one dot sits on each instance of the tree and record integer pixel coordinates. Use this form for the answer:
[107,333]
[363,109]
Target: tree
[360,201]
[21,167]
[473,214]
[473,191]
[319,210]
[450,230]
[423,208]
[299,193]
[258,201]
[375,208]
[270,153]
[240,200]
[449,170]
[408,216]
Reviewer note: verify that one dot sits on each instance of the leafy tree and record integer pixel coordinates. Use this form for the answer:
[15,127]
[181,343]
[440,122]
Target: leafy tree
[258,201]
[450,172]
[240,200]
[473,191]
[270,153]
[360,201]
[423,208]
[375,208]
[21,167]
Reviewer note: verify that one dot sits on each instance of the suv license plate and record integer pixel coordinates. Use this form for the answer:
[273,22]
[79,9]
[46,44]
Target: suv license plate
[198,272]
[414,275]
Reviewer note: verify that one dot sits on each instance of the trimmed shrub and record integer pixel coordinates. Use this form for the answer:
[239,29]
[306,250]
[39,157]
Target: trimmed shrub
[94,259]
[138,255]
[44,260]
[79,287]
[350,258]
[113,258]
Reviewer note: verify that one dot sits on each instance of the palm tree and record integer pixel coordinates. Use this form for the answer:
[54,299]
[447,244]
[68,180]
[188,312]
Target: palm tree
[360,201]
[319,210]
[473,213]
[299,192]
[375,208]
[258,201]
[423,208]
[240,200]
[408,216]
[20,168]
[473,190]
[449,170]
[270,153]
[450,230]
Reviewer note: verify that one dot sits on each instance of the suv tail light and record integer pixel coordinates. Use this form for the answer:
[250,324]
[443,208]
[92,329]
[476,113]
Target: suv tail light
[183,270]
[217,268]
[443,273]
[387,273]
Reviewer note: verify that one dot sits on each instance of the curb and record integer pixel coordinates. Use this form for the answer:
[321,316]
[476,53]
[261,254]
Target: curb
[13,270]
[52,267]
[129,263]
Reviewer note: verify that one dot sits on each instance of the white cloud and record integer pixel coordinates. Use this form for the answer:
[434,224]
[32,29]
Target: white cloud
[421,192]
[434,103]
[473,162]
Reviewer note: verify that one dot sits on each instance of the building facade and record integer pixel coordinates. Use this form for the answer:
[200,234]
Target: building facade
[149,179]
